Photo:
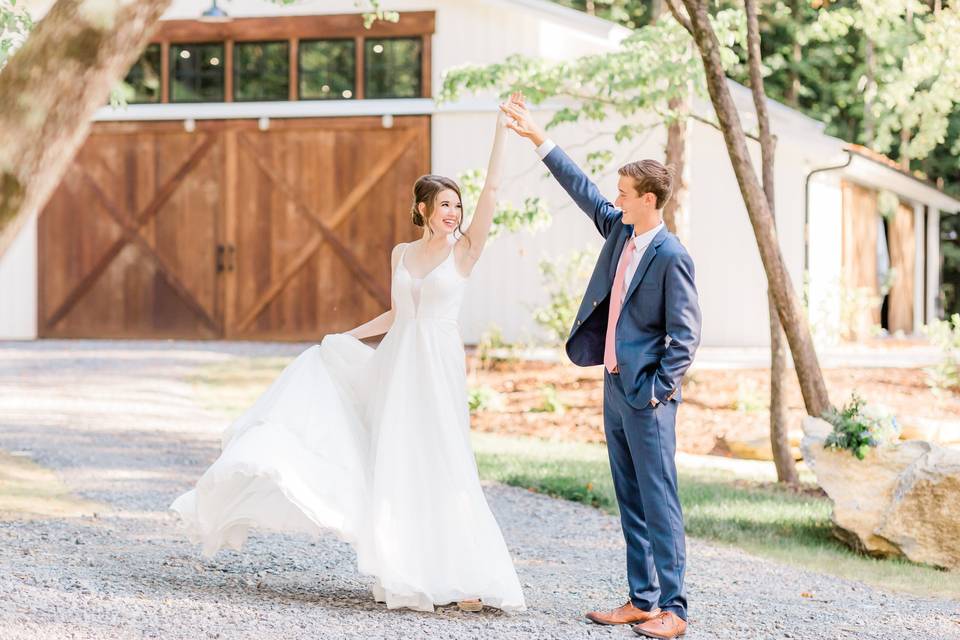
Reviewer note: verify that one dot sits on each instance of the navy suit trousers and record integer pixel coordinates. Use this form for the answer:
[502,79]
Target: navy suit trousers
[642,444]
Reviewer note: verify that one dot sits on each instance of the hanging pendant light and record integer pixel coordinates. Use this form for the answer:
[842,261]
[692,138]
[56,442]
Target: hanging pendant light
[215,12]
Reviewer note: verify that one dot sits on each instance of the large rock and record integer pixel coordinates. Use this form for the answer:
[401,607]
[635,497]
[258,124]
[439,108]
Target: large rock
[943,432]
[901,500]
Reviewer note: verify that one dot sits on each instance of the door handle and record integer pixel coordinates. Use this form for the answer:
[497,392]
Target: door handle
[231,257]
[221,249]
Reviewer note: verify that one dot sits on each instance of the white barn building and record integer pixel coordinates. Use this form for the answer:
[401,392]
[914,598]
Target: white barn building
[235,200]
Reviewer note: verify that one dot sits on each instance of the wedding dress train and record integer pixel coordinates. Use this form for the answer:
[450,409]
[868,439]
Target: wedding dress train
[372,444]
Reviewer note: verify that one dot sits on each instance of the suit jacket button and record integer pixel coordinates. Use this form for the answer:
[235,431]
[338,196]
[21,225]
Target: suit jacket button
[579,322]
[594,303]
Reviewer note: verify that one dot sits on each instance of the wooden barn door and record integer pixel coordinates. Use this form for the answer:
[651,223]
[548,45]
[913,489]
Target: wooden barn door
[125,241]
[319,206]
[228,231]
[859,272]
[903,258]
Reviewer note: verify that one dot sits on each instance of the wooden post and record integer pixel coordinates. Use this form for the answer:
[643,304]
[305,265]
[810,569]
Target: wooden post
[426,69]
[228,71]
[360,75]
[164,72]
[294,92]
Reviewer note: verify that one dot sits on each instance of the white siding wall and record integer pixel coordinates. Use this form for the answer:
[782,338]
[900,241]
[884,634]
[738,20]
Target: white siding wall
[506,284]
[933,263]
[729,273]
[919,267]
[18,286]
[826,256]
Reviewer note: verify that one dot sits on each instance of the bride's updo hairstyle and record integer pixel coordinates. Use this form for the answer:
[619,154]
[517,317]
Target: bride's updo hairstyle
[425,190]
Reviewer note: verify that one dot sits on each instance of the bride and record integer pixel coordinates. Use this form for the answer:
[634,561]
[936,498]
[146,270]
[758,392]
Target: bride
[374,443]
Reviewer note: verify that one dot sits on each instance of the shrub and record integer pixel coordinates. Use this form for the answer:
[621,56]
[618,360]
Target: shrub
[493,350]
[565,280]
[551,403]
[484,399]
[945,335]
[859,426]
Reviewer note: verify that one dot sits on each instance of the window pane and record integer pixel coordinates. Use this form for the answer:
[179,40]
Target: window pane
[392,68]
[196,72]
[261,71]
[327,69]
[142,83]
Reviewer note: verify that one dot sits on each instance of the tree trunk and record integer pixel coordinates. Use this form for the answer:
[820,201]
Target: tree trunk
[675,211]
[869,122]
[779,441]
[50,89]
[791,315]
[656,10]
[792,94]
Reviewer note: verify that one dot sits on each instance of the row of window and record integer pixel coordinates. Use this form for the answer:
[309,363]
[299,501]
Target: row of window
[326,70]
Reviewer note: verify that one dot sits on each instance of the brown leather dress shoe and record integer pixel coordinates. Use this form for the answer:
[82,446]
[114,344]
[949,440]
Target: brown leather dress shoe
[666,624]
[627,614]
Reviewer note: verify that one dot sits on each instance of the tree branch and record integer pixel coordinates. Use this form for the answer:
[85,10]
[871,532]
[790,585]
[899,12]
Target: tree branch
[678,15]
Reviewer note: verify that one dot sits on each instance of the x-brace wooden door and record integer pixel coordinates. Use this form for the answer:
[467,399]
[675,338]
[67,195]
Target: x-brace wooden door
[125,242]
[314,208]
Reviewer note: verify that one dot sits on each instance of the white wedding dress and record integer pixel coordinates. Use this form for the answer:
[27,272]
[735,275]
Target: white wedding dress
[372,444]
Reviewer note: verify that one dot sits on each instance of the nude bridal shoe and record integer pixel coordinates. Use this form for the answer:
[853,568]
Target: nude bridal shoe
[470,605]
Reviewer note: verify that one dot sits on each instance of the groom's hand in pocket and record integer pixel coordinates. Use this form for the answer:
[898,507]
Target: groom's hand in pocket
[521,121]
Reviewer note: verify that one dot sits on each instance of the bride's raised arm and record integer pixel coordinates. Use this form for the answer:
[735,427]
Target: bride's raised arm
[475,237]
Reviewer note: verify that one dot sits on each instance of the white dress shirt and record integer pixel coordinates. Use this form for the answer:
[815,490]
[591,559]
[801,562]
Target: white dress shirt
[640,243]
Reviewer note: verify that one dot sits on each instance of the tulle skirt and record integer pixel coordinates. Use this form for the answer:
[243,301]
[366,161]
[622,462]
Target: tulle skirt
[372,444]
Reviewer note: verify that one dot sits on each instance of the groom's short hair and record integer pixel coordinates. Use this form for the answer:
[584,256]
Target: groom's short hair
[650,176]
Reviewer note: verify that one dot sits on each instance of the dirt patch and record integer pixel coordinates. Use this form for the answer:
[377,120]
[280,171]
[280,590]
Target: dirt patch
[716,403]
[28,491]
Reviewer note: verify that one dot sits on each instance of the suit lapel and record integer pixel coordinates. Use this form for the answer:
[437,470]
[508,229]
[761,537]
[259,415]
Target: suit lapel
[645,262]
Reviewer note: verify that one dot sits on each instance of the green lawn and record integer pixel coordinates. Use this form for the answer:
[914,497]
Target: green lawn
[718,505]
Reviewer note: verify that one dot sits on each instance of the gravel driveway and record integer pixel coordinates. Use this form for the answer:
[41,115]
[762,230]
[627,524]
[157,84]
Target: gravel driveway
[121,426]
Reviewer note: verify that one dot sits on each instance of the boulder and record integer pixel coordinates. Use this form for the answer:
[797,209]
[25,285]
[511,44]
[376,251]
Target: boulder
[943,432]
[923,519]
[903,499]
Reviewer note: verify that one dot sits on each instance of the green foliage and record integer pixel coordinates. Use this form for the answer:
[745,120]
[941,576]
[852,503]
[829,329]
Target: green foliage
[749,399]
[493,350]
[484,399]
[945,335]
[629,13]
[15,25]
[925,91]
[857,427]
[531,216]
[657,63]
[564,280]
[550,403]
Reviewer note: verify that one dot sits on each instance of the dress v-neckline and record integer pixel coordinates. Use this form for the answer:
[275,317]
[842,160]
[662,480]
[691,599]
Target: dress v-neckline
[403,263]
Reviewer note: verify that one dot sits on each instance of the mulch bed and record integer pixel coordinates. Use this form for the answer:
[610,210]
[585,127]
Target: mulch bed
[716,403]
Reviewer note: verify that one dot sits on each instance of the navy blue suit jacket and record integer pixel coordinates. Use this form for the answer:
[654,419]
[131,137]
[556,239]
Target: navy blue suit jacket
[659,327]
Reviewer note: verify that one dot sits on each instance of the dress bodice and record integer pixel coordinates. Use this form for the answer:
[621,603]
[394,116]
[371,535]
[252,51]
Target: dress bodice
[440,292]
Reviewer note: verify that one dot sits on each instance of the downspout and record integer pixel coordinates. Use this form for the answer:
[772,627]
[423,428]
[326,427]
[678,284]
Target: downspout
[806,207]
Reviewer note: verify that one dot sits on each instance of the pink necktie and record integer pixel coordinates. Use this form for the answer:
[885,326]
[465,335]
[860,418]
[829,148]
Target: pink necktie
[616,301]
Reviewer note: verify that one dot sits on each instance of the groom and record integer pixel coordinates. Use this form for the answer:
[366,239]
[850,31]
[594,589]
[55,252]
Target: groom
[641,320]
